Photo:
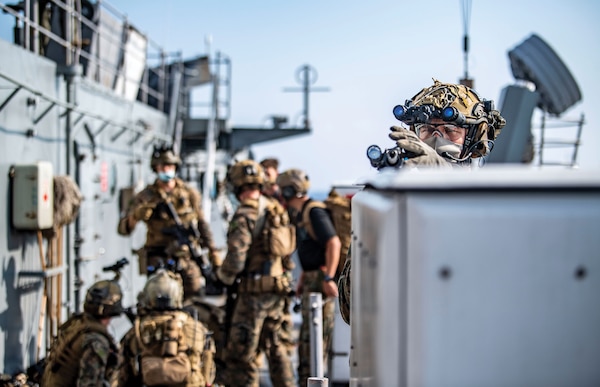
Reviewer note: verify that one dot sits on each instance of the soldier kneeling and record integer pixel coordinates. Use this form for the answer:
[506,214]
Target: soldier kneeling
[166,346]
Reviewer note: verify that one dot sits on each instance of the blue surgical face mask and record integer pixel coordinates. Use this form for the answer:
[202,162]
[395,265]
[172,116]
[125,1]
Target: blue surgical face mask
[166,176]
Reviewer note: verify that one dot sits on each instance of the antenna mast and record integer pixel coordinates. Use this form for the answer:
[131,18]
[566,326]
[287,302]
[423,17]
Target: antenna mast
[466,9]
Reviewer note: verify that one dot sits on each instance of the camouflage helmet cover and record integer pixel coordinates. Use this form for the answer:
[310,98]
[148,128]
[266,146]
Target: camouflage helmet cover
[164,155]
[246,172]
[163,291]
[103,299]
[293,182]
[470,108]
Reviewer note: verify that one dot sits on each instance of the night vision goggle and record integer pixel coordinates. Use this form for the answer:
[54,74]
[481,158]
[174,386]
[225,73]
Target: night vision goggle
[421,114]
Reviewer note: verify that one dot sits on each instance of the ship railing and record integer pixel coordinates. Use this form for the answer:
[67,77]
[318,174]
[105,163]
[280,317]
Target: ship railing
[548,147]
[111,50]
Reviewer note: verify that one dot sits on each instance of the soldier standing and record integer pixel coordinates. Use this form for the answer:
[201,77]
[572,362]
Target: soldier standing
[257,270]
[166,346]
[150,206]
[448,125]
[319,260]
[84,353]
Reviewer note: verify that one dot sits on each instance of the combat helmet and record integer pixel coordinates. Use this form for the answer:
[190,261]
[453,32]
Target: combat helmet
[459,105]
[293,183]
[245,172]
[163,291]
[103,299]
[164,154]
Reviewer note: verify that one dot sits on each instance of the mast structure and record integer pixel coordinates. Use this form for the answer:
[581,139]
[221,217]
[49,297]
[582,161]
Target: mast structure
[466,11]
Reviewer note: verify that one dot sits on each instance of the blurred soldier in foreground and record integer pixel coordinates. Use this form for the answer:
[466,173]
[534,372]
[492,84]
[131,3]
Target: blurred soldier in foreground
[166,346]
[180,243]
[448,125]
[319,257]
[83,353]
[259,236]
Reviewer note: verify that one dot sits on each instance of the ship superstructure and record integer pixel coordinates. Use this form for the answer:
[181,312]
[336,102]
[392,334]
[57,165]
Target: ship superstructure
[86,95]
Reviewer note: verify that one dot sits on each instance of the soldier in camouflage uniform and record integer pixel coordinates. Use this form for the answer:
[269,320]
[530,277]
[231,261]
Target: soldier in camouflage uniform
[261,286]
[319,260]
[271,189]
[149,206]
[84,353]
[449,125]
[165,343]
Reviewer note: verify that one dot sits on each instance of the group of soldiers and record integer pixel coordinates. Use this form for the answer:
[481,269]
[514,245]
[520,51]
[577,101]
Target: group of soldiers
[177,339]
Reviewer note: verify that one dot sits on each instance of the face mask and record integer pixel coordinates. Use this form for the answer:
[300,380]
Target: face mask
[166,176]
[441,146]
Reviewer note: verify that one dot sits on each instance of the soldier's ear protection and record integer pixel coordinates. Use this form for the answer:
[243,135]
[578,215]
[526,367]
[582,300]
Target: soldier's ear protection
[288,192]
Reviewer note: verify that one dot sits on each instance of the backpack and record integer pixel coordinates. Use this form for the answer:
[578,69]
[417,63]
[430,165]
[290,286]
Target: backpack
[171,347]
[340,212]
[276,229]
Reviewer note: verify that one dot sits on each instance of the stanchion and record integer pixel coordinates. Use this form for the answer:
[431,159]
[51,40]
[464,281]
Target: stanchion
[316,335]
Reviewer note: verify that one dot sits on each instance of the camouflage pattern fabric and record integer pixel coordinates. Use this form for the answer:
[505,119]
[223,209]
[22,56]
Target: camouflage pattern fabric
[344,286]
[93,362]
[83,354]
[255,314]
[313,283]
[193,333]
[146,207]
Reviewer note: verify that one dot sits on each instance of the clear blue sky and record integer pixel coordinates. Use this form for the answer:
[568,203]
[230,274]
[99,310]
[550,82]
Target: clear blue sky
[372,55]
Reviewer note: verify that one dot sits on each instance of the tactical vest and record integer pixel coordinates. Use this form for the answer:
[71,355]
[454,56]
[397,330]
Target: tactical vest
[267,220]
[173,350]
[62,367]
[185,203]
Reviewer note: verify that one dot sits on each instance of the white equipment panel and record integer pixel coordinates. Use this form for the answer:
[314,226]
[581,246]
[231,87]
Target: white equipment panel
[33,196]
[477,278]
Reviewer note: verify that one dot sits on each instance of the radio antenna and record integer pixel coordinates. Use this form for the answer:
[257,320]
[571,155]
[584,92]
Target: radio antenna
[466,11]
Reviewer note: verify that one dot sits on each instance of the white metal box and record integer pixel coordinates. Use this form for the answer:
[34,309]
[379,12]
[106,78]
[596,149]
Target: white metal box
[477,278]
[33,196]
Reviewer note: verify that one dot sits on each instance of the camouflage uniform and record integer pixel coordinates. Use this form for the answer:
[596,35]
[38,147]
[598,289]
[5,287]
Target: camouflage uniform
[162,330]
[258,310]
[84,354]
[286,335]
[344,286]
[313,283]
[91,360]
[186,201]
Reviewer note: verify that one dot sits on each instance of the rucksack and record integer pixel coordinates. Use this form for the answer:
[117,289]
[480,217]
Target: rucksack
[274,225]
[171,346]
[340,211]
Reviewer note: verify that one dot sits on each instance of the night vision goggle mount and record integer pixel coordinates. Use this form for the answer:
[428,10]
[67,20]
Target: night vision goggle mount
[412,114]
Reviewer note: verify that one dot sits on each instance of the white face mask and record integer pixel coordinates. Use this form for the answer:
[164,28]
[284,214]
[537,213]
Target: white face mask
[166,176]
[441,146]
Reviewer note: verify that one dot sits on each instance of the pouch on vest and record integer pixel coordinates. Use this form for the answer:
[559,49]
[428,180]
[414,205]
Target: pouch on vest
[275,227]
[164,360]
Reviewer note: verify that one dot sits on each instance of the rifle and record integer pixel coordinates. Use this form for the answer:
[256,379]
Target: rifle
[185,236]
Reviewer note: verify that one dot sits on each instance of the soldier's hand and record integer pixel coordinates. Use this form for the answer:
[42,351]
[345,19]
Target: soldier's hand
[424,155]
[215,258]
[330,288]
[143,212]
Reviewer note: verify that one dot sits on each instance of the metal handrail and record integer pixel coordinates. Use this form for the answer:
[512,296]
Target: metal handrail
[76,54]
